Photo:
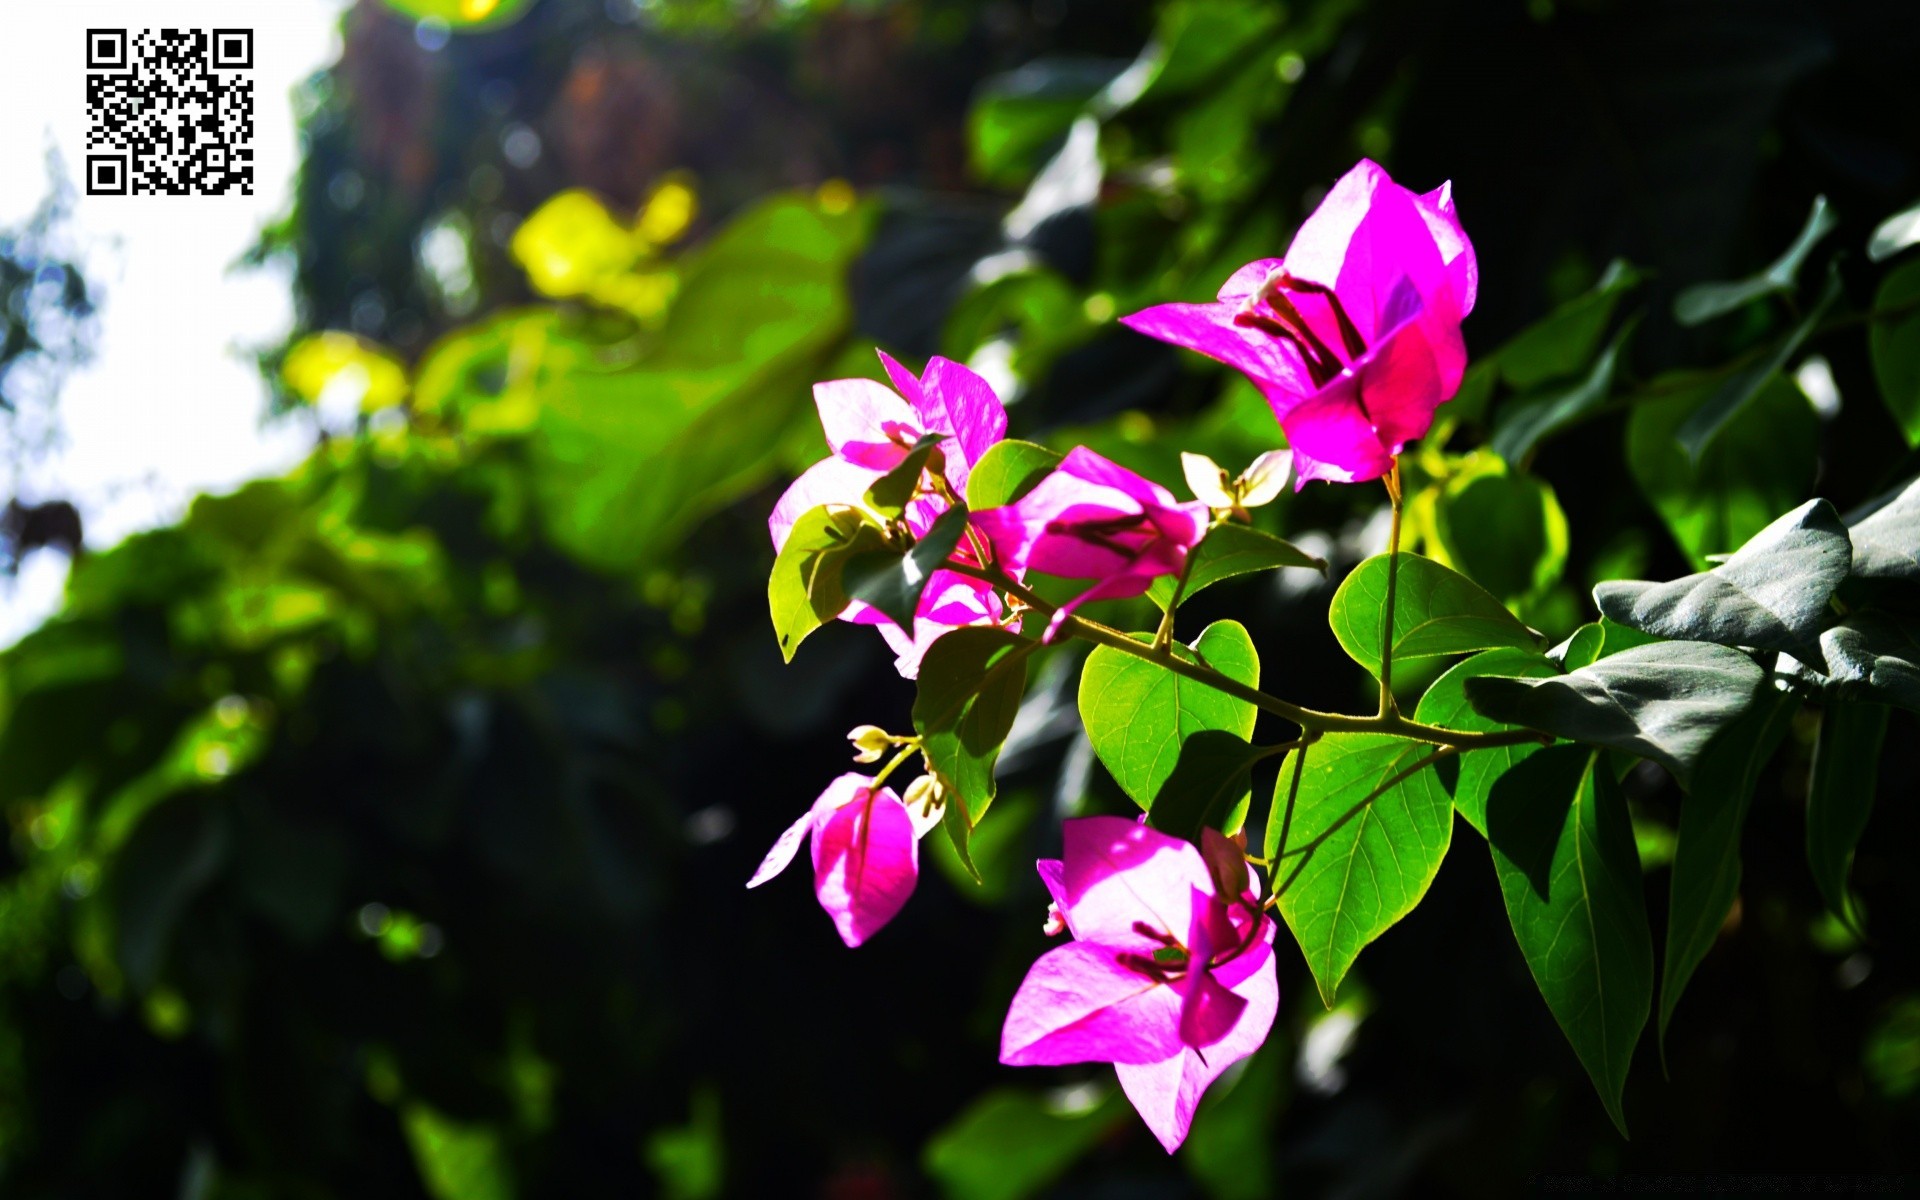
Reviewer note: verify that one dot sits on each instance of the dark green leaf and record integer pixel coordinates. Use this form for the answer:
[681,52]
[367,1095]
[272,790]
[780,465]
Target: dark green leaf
[1525,420]
[1436,611]
[1704,301]
[891,492]
[893,582]
[1564,341]
[1874,655]
[1008,471]
[970,686]
[1894,341]
[1138,715]
[1018,117]
[1760,466]
[1737,391]
[1210,784]
[1846,771]
[1229,550]
[1706,857]
[1564,854]
[174,852]
[1665,701]
[1581,648]
[1504,530]
[1886,542]
[805,590]
[1366,833]
[1445,704]
[1010,1144]
[1771,594]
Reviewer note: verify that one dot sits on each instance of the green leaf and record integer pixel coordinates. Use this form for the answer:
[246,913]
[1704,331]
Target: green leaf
[1211,784]
[1561,343]
[1006,472]
[1139,715]
[1737,391]
[1893,339]
[1526,420]
[1704,301]
[970,686]
[1229,550]
[1503,529]
[1706,858]
[1582,647]
[1665,701]
[1436,611]
[1771,594]
[458,1160]
[891,493]
[1366,834]
[1445,705]
[464,16]
[173,854]
[1760,466]
[893,582]
[1894,234]
[1010,1144]
[1886,542]
[805,590]
[1018,117]
[1564,854]
[1875,655]
[1846,771]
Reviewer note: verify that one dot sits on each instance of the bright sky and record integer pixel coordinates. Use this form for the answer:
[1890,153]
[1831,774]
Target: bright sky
[172,403]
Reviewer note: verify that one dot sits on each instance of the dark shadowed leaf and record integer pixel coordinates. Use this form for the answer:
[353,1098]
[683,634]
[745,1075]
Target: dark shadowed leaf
[1737,390]
[1846,771]
[1875,655]
[1436,611]
[1582,646]
[1894,341]
[1564,854]
[172,854]
[1138,714]
[890,493]
[1771,594]
[1503,529]
[1366,833]
[1706,858]
[1565,340]
[893,582]
[1445,704]
[1525,420]
[1210,784]
[1010,1144]
[1704,301]
[970,685]
[1665,701]
[1231,550]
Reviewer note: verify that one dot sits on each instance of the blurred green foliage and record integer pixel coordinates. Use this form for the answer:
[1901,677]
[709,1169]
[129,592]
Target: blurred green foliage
[379,830]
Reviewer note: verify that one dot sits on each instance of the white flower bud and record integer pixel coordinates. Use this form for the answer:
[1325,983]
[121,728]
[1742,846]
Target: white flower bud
[1207,479]
[1261,482]
[869,743]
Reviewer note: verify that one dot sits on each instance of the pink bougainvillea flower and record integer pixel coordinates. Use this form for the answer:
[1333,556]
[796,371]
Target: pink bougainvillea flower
[1094,519]
[870,428]
[866,855]
[1164,978]
[1353,336]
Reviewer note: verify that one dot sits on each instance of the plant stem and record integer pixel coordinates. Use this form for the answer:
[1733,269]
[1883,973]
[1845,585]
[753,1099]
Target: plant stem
[1387,705]
[1308,719]
[893,764]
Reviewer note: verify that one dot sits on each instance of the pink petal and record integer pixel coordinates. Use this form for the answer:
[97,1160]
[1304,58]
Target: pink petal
[1165,1093]
[955,400]
[1366,234]
[784,848]
[1082,1002]
[1208,1008]
[1249,279]
[1463,266]
[1210,330]
[865,858]
[865,423]
[904,381]
[829,481]
[1118,873]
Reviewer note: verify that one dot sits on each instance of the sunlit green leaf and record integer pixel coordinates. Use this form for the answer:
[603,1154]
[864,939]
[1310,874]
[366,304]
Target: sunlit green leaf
[889,494]
[1846,772]
[466,15]
[1008,471]
[1019,117]
[1706,856]
[1504,530]
[1665,701]
[1138,714]
[1771,594]
[1232,549]
[458,1160]
[1445,704]
[1010,1144]
[1436,611]
[806,589]
[1366,833]
[1704,301]
[1564,854]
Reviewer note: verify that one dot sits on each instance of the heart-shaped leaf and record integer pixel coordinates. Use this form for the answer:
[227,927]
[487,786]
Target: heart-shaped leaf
[1436,611]
[1445,705]
[1231,550]
[806,588]
[970,685]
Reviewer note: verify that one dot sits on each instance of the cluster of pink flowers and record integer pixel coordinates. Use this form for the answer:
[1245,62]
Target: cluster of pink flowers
[1354,338]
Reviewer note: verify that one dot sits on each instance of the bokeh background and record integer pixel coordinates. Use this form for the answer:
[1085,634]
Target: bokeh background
[378,827]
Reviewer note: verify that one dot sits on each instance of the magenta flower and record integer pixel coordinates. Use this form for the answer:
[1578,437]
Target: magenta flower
[1165,979]
[870,428]
[1094,519]
[866,855]
[1354,336]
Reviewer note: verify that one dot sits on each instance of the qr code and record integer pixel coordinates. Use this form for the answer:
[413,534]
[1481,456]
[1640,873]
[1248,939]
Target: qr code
[169,112]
